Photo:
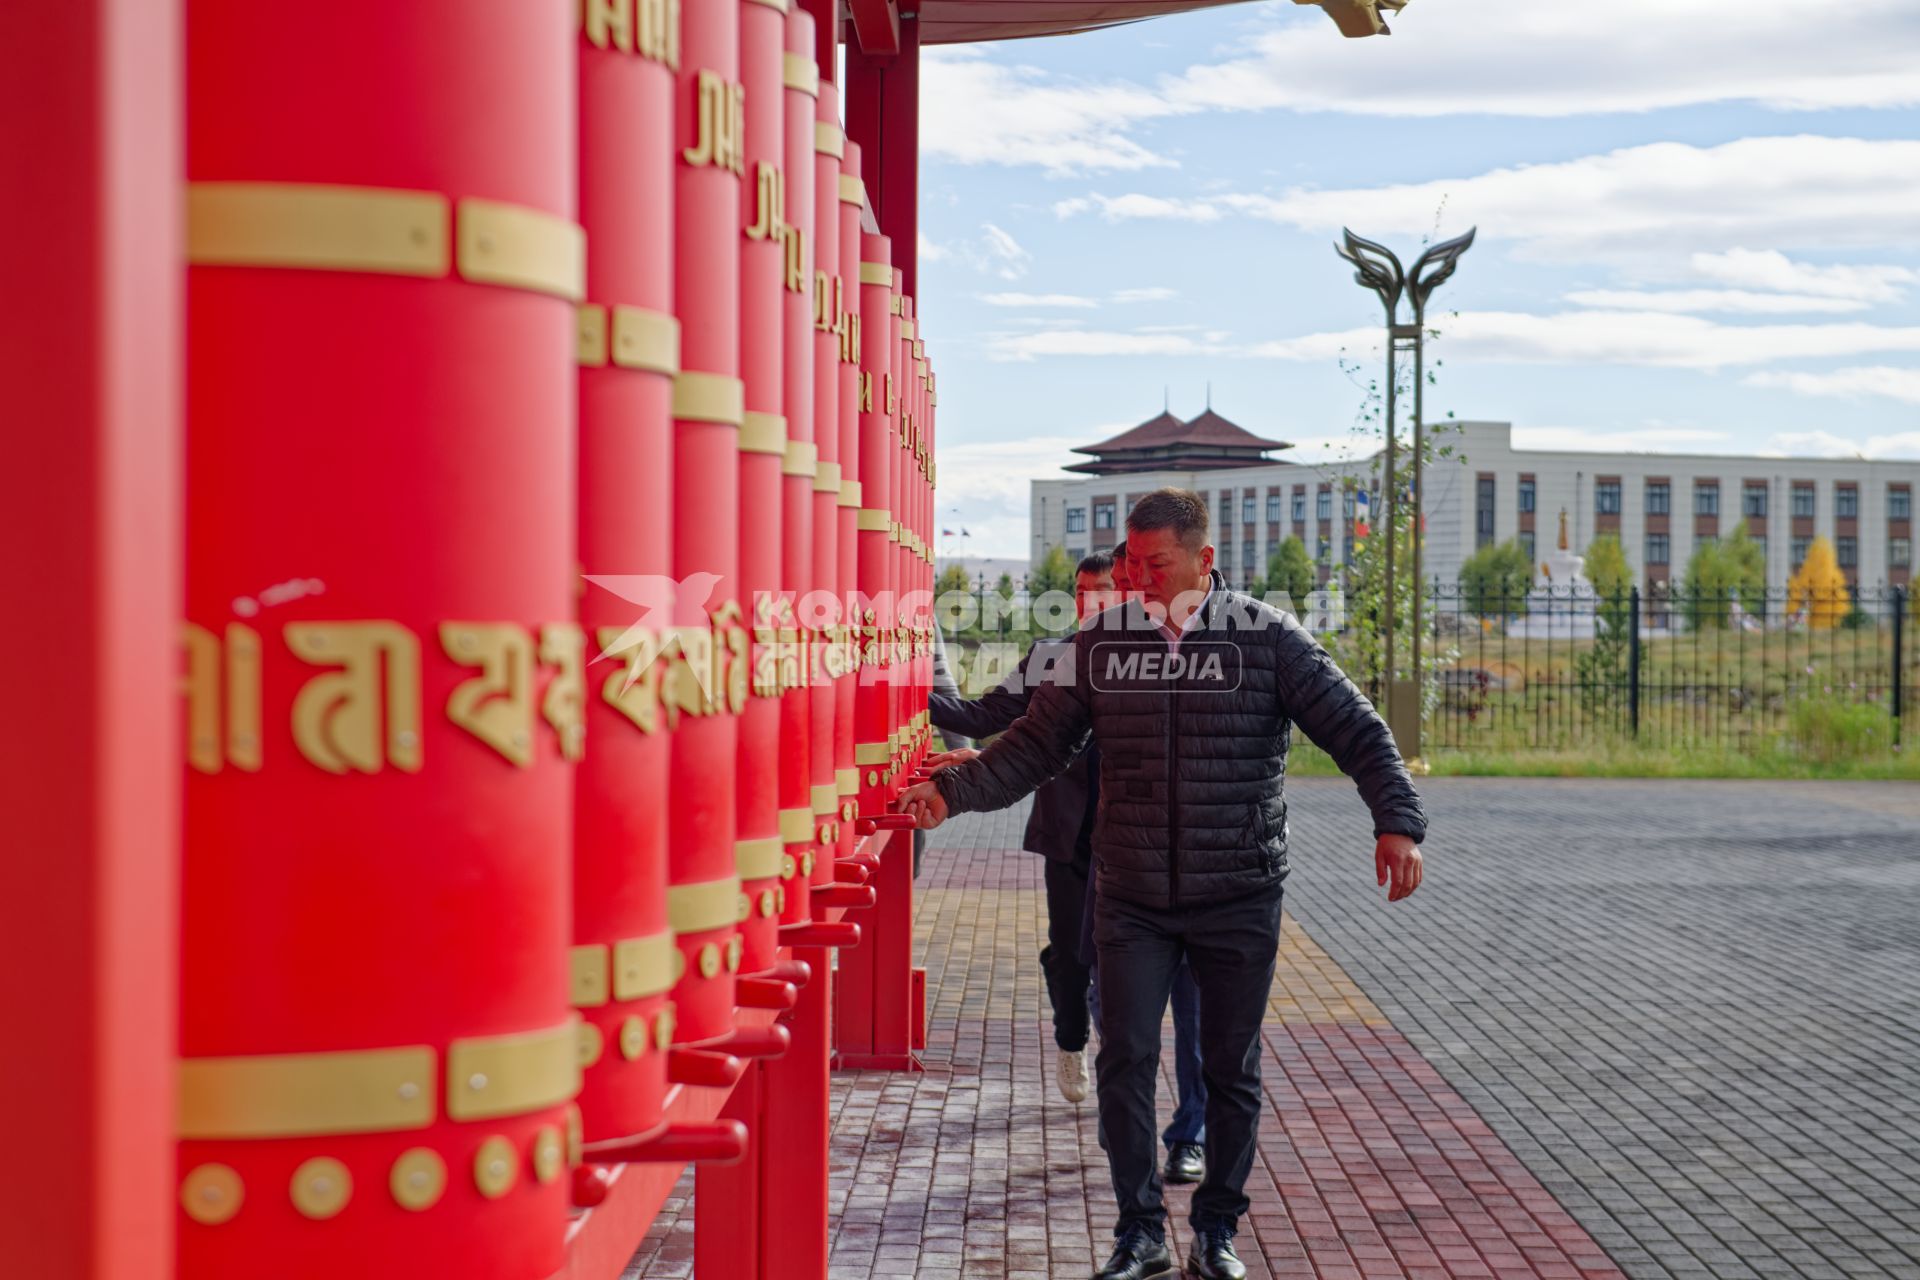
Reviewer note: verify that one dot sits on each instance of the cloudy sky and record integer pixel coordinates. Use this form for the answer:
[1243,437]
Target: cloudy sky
[1699,228]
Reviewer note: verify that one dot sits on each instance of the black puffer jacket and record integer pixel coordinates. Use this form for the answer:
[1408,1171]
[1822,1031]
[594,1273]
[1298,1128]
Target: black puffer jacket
[1193,751]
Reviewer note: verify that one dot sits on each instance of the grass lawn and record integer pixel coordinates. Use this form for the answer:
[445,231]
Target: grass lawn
[1621,761]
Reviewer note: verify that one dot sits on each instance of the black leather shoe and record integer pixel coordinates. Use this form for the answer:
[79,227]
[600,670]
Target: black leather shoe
[1139,1257]
[1186,1162]
[1212,1257]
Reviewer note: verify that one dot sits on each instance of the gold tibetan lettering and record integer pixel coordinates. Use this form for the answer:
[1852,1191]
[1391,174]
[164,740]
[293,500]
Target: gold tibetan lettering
[770,202]
[337,716]
[720,122]
[608,21]
[633,688]
[563,647]
[495,706]
[217,682]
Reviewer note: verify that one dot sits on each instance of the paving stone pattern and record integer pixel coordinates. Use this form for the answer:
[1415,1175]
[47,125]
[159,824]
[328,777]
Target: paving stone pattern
[1692,1008]
[1665,1029]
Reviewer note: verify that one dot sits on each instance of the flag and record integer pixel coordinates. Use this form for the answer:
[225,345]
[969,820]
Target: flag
[946,533]
[964,533]
[1360,509]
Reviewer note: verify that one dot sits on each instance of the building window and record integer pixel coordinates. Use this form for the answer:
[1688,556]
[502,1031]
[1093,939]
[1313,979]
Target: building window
[1299,506]
[1706,539]
[1526,543]
[1273,508]
[1606,498]
[1246,508]
[1346,506]
[1076,519]
[1798,549]
[1846,502]
[1103,515]
[1899,552]
[1526,497]
[1483,511]
[1706,498]
[1323,505]
[1899,504]
[1657,552]
[1659,497]
[1803,501]
[1226,557]
[1759,540]
[1753,500]
[1847,548]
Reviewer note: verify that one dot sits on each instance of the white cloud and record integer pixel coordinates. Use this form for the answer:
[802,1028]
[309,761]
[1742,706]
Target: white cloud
[1463,57]
[1824,444]
[1497,57]
[1698,300]
[1771,269]
[1087,342]
[1851,384]
[1036,300]
[1156,293]
[1137,205]
[986,483]
[1005,257]
[978,111]
[931,252]
[1652,438]
[1639,203]
[1615,337]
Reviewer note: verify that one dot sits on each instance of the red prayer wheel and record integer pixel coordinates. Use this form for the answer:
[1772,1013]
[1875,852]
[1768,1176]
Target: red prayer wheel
[847,776]
[706,680]
[629,349]
[385,670]
[875,739]
[823,610]
[801,467]
[758,848]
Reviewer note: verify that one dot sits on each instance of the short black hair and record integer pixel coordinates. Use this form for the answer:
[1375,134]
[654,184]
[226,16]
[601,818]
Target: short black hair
[1095,563]
[1120,549]
[1182,510]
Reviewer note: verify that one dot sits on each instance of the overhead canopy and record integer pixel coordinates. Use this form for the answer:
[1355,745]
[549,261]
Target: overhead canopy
[967,21]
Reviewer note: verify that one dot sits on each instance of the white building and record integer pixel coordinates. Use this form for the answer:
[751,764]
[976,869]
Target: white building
[1662,505]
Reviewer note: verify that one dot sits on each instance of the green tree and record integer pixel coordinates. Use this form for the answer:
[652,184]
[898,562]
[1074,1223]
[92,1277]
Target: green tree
[952,578]
[1494,580]
[1720,572]
[1289,571]
[1602,669]
[1004,587]
[1053,573]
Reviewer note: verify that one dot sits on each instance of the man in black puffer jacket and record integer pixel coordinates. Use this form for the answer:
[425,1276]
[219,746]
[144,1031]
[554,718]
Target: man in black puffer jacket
[1190,695]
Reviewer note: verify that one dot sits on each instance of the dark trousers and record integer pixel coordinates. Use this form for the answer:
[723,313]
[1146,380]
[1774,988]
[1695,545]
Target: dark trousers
[1189,1123]
[1068,980]
[1230,946]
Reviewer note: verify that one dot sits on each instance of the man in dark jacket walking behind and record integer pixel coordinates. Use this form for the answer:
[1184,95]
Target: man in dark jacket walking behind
[1059,828]
[1190,695]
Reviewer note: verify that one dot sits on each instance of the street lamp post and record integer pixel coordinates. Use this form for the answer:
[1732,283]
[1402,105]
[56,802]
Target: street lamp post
[1377,268]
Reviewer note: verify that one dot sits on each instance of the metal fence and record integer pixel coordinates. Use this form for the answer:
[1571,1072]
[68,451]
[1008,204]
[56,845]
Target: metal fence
[1566,669]
[1743,671]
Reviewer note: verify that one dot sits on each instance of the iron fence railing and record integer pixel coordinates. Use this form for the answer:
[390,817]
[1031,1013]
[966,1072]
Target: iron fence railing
[1728,669]
[1567,668]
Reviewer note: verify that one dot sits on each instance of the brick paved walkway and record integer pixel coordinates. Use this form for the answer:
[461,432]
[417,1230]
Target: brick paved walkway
[1668,1028]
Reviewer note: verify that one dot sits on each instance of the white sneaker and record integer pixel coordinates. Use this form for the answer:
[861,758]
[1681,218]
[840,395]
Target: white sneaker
[1072,1075]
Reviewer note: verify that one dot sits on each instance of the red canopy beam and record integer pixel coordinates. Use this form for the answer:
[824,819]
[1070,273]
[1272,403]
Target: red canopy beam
[883,116]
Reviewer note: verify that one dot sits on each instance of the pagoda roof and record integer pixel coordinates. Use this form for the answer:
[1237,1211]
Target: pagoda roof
[1209,442]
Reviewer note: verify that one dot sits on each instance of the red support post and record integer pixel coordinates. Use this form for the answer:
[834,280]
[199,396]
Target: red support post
[90,510]
[793,1193]
[883,116]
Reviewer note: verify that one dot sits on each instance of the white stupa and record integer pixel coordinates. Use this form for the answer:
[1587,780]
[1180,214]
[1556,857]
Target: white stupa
[1562,602]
